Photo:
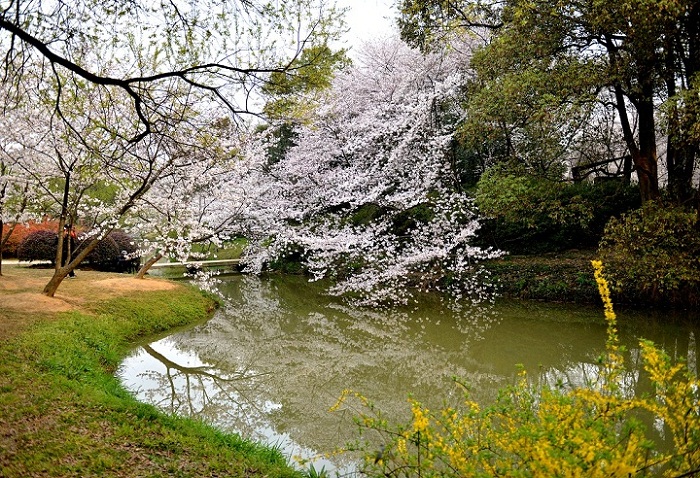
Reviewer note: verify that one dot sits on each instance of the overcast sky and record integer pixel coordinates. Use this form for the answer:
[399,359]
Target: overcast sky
[368,19]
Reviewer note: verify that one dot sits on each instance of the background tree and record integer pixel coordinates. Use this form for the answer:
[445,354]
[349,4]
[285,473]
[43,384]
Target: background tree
[294,94]
[196,204]
[88,175]
[13,203]
[634,56]
[15,190]
[292,99]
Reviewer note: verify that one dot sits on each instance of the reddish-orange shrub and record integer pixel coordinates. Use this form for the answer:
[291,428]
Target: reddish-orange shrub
[21,231]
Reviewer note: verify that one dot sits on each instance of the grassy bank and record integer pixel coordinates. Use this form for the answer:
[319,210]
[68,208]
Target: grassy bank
[562,277]
[567,277]
[62,412]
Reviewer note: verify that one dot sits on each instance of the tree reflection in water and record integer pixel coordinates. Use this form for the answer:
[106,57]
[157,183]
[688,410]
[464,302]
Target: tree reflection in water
[178,382]
[273,360]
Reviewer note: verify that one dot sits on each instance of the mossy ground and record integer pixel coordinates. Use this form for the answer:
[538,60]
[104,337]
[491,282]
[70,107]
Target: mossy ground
[62,411]
[556,277]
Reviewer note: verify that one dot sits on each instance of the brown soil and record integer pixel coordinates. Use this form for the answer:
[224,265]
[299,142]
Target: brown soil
[22,303]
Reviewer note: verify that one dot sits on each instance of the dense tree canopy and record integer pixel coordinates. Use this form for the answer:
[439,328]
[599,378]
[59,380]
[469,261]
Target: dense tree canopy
[637,58]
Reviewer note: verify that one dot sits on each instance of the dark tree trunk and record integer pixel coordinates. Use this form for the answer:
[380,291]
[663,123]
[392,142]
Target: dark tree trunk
[681,162]
[646,161]
[643,152]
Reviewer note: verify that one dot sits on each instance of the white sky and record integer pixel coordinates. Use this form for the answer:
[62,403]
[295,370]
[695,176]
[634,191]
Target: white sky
[368,19]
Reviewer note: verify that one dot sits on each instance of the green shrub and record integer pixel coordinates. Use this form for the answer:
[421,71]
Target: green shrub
[529,215]
[115,253]
[654,255]
[38,246]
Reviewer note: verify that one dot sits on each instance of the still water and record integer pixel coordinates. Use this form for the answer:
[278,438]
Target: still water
[271,363]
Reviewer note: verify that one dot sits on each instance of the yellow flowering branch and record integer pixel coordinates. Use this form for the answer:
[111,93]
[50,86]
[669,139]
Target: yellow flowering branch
[592,431]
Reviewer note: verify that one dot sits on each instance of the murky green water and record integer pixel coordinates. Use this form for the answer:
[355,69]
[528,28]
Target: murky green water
[273,361]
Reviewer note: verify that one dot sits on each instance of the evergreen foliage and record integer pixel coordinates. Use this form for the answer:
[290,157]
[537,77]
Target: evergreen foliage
[531,215]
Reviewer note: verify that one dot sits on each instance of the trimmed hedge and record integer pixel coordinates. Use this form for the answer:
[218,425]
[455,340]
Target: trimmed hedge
[38,246]
[115,253]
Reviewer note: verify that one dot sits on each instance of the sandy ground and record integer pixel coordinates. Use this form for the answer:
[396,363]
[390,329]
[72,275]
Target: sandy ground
[21,300]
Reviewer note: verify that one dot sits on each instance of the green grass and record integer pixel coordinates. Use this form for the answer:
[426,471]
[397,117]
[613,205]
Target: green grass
[231,250]
[63,413]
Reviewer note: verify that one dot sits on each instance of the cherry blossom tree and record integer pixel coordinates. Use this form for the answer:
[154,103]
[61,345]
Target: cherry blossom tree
[200,203]
[121,91]
[17,193]
[84,173]
[368,194]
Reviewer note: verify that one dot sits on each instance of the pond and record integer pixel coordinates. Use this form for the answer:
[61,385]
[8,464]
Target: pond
[271,363]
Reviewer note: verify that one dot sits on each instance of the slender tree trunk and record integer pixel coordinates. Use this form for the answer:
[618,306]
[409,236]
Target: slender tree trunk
[61,272]
[149,263]
[60,237]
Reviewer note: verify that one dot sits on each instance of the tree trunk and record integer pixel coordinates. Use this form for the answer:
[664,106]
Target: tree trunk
[643,152]
[149,263]
[61,272]
[647,172]
[646,160]
[642,146]
[681,162]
